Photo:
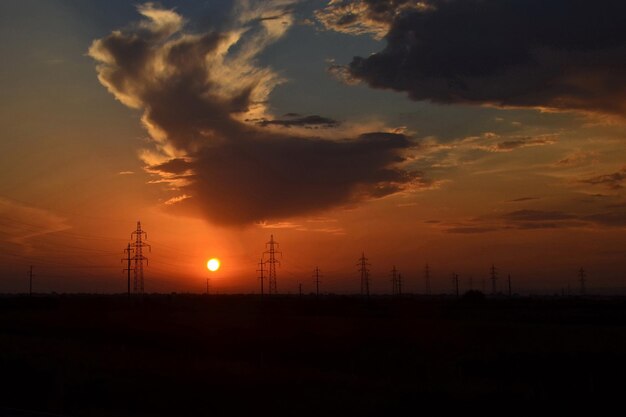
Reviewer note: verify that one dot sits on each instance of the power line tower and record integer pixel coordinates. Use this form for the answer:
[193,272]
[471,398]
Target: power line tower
[128,258]
[427,279]
[30,281]
[455,280]
[317,276]
[394,281]
[138,245]
[509,281]
[582,276]
[494,278]
[399,284]
[272,261]
[261,272]
[365,275]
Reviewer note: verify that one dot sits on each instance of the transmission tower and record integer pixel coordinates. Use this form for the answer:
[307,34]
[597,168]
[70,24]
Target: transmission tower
[509,280]
[365,275]
[582,276]
[394,281]
[30,281]
[399,284]
[494,277]
[317,276]
[455,280]
[128,258]
[272,261]
[261,272]
[138,244]
[427,279]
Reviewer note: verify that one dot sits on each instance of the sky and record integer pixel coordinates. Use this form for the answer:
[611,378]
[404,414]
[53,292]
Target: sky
[455,133]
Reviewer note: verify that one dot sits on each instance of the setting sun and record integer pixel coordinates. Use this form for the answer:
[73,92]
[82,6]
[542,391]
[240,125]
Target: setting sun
[213,264]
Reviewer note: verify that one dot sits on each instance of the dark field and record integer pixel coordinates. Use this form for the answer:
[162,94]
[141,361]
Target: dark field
[185,355]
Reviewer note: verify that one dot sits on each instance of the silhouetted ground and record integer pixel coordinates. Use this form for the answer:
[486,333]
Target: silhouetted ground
[186,355]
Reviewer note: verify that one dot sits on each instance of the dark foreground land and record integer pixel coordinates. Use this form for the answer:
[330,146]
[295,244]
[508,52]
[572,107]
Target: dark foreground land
[185,355]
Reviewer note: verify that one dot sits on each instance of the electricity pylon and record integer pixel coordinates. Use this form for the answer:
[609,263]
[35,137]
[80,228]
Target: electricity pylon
[582,277]
[494,277]
[395,285]
[128,251]
[365,275]
[261,272]
[138,245]
[427,279]
[317,276]
[272,261]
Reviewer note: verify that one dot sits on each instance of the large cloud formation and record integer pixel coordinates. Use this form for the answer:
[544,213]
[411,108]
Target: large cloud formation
[556,54]
[202,96]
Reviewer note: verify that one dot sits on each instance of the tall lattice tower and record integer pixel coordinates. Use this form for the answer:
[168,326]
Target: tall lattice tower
[427,279]
[494,278]
[272,246]
[365,275]
[138,244]
[582,277]
[395,284]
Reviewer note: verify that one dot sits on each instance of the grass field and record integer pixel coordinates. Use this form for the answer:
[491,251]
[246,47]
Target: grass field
[187,355]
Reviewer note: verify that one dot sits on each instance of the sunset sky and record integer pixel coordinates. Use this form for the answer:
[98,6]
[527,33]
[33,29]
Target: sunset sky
[458,133]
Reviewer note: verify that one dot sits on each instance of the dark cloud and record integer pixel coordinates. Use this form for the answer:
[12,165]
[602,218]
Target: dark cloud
[560,54]
[539,220]
[613,181]
[294,120]
[195,100]
[521,199]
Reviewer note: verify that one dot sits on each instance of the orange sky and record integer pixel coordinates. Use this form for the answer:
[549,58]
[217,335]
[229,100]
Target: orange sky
[536,190]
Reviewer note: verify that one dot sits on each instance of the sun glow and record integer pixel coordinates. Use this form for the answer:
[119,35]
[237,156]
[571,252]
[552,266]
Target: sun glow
[213,264]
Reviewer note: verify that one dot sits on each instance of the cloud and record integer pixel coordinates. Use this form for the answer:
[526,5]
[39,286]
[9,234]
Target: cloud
[20,222]
[521,199]
[201,93]
[292,119]
[561,55]
[538,220]
[613,181]
[357,17]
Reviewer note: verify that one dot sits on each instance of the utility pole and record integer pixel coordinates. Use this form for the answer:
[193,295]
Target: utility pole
[261,272]
[127,251]
[272,261]
[138,245]
[316,275]
[30,281]
[394,281]
[510,292]
[455,279]
[365,275]
[399,284]
[494,277]
[582,277]
[427,279]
